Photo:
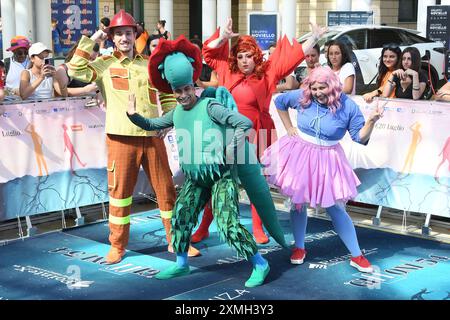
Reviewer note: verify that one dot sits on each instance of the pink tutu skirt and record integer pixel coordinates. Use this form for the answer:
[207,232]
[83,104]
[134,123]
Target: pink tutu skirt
[309,173]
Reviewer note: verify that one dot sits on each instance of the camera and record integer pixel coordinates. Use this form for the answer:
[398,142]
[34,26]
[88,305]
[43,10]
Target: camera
[47,61]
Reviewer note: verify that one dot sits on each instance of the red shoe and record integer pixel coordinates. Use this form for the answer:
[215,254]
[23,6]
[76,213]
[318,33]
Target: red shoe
[298,255]
[362,264]
[261,238]
[199,236]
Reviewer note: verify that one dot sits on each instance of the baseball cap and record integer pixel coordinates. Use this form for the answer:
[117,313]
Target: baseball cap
[37,48]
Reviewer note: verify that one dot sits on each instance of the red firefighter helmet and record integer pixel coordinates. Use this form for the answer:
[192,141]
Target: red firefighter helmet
[123,19]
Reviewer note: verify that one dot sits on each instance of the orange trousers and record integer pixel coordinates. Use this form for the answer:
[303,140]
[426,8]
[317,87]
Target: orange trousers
[125,156]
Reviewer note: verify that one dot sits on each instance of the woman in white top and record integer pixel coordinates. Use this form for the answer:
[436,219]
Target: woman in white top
[40,80]
[15,65]
[339,61]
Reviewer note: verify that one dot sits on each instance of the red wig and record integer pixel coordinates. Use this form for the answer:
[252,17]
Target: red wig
[248,44]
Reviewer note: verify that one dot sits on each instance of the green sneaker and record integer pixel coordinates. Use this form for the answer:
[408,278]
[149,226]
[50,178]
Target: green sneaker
[258,276]
[173,272]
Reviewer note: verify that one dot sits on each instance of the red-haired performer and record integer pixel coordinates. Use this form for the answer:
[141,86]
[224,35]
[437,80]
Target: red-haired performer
[252,81]
[309,165]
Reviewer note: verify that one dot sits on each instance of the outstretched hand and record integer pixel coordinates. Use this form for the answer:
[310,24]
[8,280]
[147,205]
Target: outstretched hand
[131,104]
[227,32]
[378,112]
[317,31]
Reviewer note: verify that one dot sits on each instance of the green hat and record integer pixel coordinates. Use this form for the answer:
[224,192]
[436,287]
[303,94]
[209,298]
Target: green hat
[177,70]
[174,63]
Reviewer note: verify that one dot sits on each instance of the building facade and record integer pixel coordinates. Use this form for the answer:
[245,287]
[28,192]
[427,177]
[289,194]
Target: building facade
[201,17]
[195,16]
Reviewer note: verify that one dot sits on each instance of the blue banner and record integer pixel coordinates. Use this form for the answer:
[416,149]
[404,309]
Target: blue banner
[75,17]
[54,157]
[264,28]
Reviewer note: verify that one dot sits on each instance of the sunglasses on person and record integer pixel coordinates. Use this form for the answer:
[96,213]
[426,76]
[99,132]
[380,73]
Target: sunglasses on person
[391,47]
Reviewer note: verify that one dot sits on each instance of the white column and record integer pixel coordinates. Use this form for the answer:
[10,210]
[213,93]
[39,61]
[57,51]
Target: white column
[343,5]
[270,5]
[24,14]
[209,23]
[8,25]
[422,15]
[223,12]
[362,5]
[43,23]
[289,18]
[166,13]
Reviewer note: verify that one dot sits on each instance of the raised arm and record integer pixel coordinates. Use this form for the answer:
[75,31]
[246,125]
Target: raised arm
[226,34]
[316,33]
[80,67]
[287,56]
[216,49]
[26,88]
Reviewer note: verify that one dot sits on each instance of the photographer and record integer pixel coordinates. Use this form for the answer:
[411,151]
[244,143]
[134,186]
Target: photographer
[38,82]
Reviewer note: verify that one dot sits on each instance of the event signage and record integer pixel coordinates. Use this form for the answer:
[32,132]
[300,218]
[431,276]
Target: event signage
[54,157]
[264,27]
[75,18]
[337,18]
[438,24]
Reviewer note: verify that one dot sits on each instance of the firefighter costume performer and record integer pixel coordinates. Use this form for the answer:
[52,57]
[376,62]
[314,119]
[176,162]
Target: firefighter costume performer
[129,147]
[208,135]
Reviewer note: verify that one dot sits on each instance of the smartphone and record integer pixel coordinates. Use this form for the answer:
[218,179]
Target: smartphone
[47,61]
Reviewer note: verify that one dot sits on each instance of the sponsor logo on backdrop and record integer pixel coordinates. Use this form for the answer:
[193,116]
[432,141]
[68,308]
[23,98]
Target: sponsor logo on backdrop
[76,127]
[117,269]
[396,273]
[72,282]
[10,133]
[95,126]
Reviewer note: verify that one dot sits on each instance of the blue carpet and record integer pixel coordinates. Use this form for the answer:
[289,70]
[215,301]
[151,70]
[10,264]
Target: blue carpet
[70,265]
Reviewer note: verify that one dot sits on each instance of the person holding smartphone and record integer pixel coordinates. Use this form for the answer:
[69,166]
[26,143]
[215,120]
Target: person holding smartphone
[40,81]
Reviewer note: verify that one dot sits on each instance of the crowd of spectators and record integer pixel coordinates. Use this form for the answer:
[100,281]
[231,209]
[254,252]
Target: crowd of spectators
[31,74]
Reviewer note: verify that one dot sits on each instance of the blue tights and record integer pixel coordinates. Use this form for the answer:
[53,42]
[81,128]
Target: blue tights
[342,223]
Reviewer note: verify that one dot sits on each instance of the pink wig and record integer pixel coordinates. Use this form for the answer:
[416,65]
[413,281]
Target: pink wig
[327,76]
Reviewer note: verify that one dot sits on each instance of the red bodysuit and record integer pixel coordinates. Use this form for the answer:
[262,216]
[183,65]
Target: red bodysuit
[253,95]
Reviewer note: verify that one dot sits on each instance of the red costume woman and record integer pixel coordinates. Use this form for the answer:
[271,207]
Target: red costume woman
[252,81]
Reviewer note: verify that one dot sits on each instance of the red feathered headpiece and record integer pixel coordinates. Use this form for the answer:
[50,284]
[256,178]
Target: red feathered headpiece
[166,47]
